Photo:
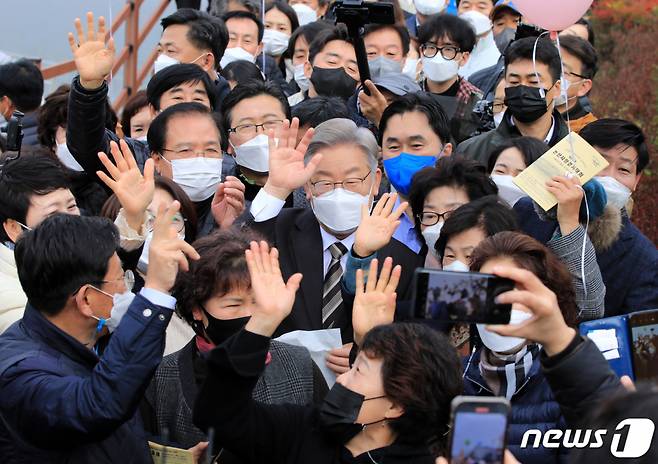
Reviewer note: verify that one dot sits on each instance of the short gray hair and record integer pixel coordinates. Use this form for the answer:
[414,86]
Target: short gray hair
[340,131]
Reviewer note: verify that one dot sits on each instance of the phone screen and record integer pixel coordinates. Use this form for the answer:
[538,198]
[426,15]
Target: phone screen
[644,332]
[478,437]
[461,296]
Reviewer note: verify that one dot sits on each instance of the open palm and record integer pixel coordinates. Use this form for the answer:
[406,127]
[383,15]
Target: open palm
[376,229]
[375,304]
[93,59]
[273,296]
[133,190]
[287,169]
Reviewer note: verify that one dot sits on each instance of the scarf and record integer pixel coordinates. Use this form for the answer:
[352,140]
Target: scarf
[506,374]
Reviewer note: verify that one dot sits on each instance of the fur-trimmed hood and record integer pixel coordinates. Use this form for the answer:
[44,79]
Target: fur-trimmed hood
[603,231]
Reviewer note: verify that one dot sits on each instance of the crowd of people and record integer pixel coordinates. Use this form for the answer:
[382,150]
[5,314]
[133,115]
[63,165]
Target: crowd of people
[256,187]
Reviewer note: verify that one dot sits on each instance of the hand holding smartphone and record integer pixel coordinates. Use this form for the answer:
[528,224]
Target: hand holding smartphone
[460,297]
[478,430]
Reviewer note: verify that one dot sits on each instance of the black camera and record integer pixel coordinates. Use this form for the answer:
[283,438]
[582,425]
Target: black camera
[15,132]
[355,14]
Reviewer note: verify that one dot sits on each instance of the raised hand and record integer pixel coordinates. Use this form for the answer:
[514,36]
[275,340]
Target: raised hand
[228,202]
[93,59]
[376,229]
[167,254]
[546,326]
[375,304]
[134,190]
[274,297]
[373,105]
[569,195]
[287,169]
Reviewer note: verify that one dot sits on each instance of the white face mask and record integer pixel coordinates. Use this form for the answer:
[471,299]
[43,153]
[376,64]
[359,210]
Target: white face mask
[438,69]
[479,22]
[120,305]
[305,14]
[429,7]
[498,118]
[302,81]
[67,159]
[410,67]
[163,61]
[456,266]
[340,209]
[498,343]
[507,189]
[618,194]
[198,177]
[235,54]
[275,42]
[254,154]
[564,97]
[381,66]
[143,138]
[431,235]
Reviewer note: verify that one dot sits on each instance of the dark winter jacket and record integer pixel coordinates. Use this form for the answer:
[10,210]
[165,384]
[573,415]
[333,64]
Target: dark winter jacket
[60,402]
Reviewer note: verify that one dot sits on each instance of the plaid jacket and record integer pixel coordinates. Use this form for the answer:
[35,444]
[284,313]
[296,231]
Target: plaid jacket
[289,378]
[466,93]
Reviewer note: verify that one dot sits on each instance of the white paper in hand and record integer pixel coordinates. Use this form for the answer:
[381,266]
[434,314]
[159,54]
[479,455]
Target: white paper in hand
[318,343]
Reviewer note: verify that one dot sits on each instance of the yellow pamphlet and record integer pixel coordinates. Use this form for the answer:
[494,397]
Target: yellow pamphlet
[571,155]
[169,455]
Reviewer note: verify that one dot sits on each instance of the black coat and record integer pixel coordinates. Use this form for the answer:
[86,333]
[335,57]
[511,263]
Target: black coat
[296,234]
[260,433]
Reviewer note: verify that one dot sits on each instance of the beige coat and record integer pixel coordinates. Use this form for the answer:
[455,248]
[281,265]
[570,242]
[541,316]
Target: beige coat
[12,298]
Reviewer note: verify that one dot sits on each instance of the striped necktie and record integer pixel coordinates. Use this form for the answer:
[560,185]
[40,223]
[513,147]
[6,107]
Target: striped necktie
[332,300]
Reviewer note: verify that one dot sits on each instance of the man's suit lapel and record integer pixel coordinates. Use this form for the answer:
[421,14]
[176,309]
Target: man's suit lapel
[306,245]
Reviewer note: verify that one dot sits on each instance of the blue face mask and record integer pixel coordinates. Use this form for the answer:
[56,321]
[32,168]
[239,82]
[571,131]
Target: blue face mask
[401,169]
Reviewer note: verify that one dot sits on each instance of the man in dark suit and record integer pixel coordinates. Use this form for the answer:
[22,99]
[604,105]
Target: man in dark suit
[337,167]
[628,260]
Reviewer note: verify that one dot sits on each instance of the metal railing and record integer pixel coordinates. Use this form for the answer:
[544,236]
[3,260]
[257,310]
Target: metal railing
[127,56]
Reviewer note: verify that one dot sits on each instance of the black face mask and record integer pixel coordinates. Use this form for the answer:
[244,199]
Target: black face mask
[219,330]
[339,412]
[333,82]
[525,103]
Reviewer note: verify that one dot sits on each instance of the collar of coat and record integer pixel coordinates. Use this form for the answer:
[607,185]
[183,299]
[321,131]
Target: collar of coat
[603,231]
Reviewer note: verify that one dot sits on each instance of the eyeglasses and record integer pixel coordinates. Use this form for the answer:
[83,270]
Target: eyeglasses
[429,218]
[429,50]
[178,222]
[497,106]
[250,130]
[352,184]
[569,73]
[128,279]
[185,152]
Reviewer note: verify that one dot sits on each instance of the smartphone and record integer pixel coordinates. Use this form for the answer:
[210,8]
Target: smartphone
[644,333]
[460,297]
[478,430]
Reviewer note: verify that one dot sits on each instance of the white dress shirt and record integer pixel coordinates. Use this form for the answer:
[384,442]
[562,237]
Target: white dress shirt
[327,241]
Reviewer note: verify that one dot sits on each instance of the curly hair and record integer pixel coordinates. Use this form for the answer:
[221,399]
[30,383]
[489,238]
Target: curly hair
[221,269]
[421,373]
[529,254]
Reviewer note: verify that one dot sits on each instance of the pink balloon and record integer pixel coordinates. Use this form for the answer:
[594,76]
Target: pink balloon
[553,15]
